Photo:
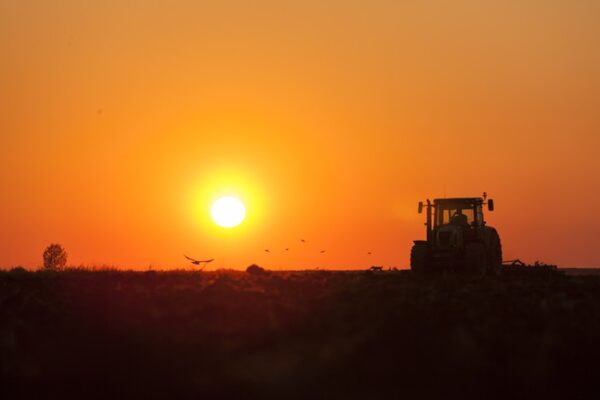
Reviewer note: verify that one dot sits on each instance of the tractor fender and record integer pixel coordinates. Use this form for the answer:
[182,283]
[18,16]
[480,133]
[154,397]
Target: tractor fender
[487,235]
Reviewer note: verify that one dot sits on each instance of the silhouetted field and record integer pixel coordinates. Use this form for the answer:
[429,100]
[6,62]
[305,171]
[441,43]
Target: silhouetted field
[580,271]
[110,334]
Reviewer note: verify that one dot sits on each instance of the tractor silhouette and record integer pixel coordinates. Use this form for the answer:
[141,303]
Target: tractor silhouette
[458,239]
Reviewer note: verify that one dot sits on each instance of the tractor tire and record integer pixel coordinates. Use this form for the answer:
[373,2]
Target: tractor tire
[418,258]
[475,259]
[495,254]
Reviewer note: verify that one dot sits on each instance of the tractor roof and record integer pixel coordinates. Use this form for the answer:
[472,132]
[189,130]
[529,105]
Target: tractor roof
[459,200]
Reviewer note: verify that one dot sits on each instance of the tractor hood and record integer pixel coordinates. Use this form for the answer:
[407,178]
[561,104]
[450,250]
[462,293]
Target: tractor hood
[449,237]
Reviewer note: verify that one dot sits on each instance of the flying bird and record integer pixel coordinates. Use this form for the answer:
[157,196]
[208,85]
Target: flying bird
[303,241]
[267,251]
[369,253]
[322,251]
[287,249]
[198,262]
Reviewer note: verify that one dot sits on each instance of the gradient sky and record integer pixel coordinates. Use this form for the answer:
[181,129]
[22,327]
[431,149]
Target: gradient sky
[120,121]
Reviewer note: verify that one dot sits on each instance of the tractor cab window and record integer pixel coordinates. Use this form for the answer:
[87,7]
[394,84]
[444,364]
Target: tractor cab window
[455,216]
[479,212]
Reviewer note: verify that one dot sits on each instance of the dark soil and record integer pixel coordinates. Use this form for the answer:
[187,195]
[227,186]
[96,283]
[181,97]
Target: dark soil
[319,334]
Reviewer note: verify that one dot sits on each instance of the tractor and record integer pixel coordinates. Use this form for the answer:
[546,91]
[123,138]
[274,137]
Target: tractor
[458,239]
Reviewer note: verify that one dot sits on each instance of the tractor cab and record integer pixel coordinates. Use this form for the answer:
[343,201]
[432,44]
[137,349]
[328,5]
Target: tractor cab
[464,211]
[461,212]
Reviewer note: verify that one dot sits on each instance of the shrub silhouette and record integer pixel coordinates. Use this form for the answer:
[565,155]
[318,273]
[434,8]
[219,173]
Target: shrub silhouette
[55,257]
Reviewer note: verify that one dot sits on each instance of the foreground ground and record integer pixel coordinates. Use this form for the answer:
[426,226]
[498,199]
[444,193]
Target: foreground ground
[296,335]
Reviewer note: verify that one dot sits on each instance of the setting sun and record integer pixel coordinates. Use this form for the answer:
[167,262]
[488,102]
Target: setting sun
[228,212]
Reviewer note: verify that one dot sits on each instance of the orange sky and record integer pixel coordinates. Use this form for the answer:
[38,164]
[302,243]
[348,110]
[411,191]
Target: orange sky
[121,120]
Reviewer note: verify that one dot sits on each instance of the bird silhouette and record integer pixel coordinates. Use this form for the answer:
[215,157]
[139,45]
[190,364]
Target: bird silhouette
[303,241]
[322,251]
[369,253]
[287,249]
[198,262]
[267,251]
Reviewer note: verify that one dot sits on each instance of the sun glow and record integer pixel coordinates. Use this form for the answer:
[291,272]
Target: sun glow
[228,212]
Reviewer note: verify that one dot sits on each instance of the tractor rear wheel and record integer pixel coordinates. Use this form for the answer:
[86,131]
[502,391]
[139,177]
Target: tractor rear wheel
[475,259]
[418,258]
[495,254]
